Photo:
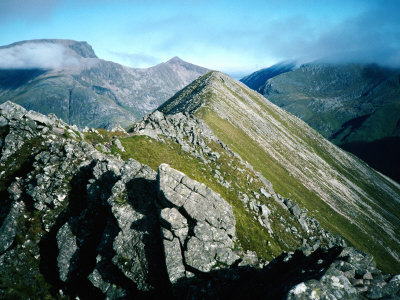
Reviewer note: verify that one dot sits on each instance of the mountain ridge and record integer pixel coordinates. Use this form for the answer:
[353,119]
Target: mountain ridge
[356,106]
[257,79]
[89,91]
[77,221]
[285,141]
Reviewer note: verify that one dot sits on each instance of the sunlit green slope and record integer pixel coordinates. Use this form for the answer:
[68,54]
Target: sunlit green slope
[346,195]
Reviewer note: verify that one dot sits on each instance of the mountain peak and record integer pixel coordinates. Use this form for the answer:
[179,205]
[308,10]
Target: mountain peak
[176,59]
[196,95]
[275,142]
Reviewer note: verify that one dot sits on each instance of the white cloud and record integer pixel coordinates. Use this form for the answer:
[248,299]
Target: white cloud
[136,60]
[37,55]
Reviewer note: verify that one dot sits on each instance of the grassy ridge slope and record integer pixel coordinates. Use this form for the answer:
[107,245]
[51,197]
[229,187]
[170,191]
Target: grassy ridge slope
[342,192]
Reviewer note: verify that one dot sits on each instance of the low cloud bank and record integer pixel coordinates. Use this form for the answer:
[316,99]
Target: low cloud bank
[372,36]
[136,60]
[36,56]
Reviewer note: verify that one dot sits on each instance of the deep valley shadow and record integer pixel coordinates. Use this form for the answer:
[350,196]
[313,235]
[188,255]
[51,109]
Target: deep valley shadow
[11,79]
[382,155]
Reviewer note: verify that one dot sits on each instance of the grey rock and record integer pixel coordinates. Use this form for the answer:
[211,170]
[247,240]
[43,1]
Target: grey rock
[11,110]
[368,276]
[118,128]
[173,259]
[329,287]
[295,210]
[199,255]
[303,224]
[265,211]
[243,197]
[39,118]
[249,258]
[177,224]
[265,193]
[8,228]
[210,241]
[67,246]
[98,281]
[117,143]
[188,131]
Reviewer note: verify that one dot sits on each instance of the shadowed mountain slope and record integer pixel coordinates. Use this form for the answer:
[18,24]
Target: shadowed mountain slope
[257,80]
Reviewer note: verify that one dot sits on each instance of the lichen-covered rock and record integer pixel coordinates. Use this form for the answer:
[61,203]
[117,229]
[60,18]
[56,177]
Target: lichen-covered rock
[8,228]
[199,220]
[173,258]
[66,242]
[117,143]
[348,277]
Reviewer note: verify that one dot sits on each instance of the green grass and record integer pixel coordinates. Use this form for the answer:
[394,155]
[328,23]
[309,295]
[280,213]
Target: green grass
[251,234]
[289,187]
[104,136]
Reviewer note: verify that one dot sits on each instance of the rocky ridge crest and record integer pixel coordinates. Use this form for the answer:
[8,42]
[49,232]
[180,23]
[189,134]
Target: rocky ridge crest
[75,222]
[347,276]
[342,192]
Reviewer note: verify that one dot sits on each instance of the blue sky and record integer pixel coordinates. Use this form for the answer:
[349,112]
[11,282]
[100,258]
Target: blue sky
[232,36]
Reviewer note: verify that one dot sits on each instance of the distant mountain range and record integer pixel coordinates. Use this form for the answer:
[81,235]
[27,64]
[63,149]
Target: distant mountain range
[356,106]
[218,193]
[257,80]
[84,90]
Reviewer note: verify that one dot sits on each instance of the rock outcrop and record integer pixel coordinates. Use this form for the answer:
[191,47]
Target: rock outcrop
[104,226]
[350,275]
[196,222]
[78,223]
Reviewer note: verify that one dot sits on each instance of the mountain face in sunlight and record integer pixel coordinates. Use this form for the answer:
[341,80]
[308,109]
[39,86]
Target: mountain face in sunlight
[356,106]
[66,78]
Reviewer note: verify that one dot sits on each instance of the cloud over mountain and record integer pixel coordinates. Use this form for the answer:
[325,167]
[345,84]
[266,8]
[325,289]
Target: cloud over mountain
[371,36]
[36,55]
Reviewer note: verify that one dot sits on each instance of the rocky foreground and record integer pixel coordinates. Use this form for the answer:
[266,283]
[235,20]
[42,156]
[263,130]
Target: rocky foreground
[75,222]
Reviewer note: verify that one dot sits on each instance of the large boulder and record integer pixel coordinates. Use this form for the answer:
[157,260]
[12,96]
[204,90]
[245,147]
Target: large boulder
[197,222]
